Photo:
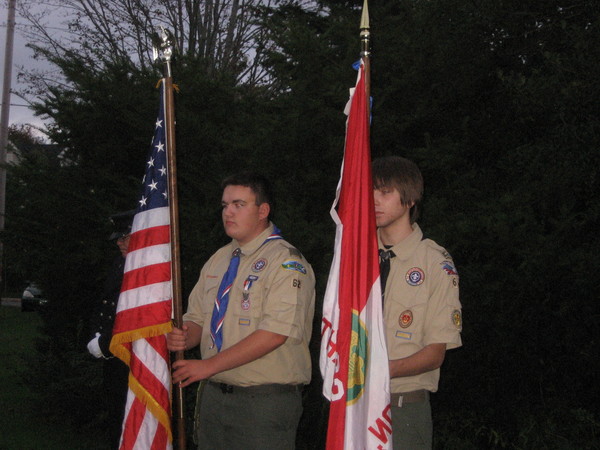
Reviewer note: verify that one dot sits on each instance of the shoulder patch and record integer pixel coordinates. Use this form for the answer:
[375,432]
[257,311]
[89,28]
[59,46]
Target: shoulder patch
[294,265]
[448,267]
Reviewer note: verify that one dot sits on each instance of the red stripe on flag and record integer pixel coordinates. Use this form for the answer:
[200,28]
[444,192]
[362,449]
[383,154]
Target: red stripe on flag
[132,424]
[141,317]
[148,237]
[148,379]
[159,345]
[154,273]
[161,438]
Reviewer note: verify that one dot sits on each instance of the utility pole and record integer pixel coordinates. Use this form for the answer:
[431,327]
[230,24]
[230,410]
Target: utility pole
[8,56]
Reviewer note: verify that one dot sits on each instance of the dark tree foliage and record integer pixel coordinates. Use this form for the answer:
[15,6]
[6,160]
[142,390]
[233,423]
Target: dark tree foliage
[498,103]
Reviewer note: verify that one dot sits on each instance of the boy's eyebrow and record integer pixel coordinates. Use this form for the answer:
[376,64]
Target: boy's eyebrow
[234,201]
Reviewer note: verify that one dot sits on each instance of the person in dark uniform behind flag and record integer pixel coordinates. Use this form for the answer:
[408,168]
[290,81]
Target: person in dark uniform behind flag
[421,307]
[254,345]
[114,371]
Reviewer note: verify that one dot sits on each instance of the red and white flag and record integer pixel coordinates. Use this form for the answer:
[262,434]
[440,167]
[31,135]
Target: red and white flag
[144,309]
[354,361]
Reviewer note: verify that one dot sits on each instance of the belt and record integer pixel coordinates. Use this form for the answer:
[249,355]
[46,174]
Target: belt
[399,398]
[261,389]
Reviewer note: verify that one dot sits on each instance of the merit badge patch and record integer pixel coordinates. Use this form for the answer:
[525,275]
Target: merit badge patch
[449,268]
[259,264]
[415,276]
[294,265]
[405,319]
[457,318]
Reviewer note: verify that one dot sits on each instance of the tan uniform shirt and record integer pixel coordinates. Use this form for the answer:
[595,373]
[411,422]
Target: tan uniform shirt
[421,305]
[274,290]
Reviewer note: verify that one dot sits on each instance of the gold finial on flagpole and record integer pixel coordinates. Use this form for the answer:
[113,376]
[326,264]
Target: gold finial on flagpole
[365,34]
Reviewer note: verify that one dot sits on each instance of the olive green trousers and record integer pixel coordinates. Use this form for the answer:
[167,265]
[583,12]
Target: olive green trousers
[238,419]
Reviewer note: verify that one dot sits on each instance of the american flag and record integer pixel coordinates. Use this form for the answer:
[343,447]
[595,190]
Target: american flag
[144,308]
[354,361]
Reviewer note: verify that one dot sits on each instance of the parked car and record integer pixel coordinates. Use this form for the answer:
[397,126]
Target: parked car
[32,298]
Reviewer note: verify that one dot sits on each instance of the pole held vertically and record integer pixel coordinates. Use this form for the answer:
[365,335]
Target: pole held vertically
[164,49]
[4,113]
[365,50]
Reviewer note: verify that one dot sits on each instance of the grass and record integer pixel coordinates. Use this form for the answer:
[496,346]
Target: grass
[22,427]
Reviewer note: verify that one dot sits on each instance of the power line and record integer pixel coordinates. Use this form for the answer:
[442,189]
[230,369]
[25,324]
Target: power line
[16,104]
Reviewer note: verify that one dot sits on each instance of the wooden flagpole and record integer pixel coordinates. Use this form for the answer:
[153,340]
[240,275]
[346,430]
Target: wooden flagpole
[166,53]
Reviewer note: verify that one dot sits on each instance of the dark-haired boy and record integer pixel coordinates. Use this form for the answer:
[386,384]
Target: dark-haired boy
[253,326]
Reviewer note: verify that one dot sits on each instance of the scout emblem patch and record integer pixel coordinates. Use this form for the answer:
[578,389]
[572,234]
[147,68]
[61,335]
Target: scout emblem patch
[405,319]
[415,276]
[246,292]
[294,265]
[259,264]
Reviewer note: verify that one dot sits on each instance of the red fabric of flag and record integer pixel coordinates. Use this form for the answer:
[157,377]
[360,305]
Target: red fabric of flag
[354,359]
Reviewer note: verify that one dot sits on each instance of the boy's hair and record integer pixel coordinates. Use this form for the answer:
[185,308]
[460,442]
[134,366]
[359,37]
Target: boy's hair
[257,183]
[404,176]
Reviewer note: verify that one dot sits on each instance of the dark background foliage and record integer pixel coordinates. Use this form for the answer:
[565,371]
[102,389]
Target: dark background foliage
[497,101]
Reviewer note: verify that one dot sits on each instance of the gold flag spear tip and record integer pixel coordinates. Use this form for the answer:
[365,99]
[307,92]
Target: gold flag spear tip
[365,34]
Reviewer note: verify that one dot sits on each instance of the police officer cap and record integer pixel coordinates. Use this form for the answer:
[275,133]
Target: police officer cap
[121,224]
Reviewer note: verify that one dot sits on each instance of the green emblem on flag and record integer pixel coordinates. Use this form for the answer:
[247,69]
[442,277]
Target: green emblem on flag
[357,361]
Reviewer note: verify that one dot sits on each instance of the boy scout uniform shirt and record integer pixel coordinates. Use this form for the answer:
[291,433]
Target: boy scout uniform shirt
[273,291]
[421,305]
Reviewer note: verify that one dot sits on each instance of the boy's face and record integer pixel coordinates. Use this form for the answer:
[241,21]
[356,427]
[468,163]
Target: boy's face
[389,209]
[243,219]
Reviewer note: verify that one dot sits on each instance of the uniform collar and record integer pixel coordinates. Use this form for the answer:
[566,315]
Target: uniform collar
[255,243]
[407,246]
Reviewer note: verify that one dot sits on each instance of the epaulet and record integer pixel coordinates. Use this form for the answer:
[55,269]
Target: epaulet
[437,248]
[295,252]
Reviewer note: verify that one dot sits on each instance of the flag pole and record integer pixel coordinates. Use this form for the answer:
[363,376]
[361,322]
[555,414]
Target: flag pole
[353,360]
[365,51]
[166,53]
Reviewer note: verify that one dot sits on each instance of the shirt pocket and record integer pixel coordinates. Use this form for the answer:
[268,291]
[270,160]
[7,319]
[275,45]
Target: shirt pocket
[411,316]
[246,300]
[211,288]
